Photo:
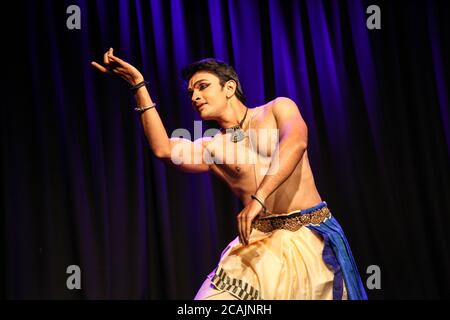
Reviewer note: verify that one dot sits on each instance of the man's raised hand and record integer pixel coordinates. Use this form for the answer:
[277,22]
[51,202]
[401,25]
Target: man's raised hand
[116,66]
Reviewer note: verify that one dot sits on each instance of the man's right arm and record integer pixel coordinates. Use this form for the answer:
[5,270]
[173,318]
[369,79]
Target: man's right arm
[182,153]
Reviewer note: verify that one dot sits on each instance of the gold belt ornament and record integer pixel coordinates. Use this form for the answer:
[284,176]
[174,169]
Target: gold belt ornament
[292,222]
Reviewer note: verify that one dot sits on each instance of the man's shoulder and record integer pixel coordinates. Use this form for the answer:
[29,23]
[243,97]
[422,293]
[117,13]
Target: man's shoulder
[278,105]
[283,104]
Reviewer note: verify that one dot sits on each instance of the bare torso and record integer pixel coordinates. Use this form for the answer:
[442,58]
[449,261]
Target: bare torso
[243,165]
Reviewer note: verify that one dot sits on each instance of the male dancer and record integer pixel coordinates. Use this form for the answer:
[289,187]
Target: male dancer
[289,245]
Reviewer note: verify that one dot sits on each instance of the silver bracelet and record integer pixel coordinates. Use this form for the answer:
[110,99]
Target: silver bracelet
[143,109]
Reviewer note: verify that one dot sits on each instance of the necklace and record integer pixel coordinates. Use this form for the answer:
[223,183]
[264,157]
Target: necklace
[237,134]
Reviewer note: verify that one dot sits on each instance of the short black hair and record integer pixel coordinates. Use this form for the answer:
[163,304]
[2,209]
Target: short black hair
[222,70]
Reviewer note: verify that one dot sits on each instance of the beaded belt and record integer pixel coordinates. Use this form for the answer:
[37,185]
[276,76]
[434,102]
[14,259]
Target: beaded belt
[292,222]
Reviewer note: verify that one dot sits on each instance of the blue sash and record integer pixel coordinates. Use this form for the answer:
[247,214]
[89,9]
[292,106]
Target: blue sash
[338,256]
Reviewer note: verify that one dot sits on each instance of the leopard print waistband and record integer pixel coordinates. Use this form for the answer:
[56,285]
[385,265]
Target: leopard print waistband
[292,222]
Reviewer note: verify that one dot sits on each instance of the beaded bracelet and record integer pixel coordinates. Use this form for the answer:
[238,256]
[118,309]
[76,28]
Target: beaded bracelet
[137,86]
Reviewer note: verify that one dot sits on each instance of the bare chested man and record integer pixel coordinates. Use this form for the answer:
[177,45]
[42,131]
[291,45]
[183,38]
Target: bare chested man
[261,154]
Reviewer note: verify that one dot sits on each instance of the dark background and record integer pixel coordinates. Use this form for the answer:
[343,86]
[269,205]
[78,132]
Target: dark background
[80,186]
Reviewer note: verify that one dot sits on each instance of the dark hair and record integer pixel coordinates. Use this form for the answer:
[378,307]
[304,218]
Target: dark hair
[222,70]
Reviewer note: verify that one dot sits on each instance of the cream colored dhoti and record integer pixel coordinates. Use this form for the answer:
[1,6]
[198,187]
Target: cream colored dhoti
[284,266]
[281,262]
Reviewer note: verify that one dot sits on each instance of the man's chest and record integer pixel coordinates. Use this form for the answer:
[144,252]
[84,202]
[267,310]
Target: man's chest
[239,158]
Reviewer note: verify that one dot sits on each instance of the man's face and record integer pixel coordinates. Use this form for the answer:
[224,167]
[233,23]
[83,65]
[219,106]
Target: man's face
[207,95]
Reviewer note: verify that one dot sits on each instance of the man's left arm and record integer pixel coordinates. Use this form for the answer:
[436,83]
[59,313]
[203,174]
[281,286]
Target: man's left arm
[293,140]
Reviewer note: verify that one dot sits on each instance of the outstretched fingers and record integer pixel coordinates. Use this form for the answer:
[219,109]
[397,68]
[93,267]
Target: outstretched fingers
[106,61]
[116,60]
[99,67]
[114,65]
